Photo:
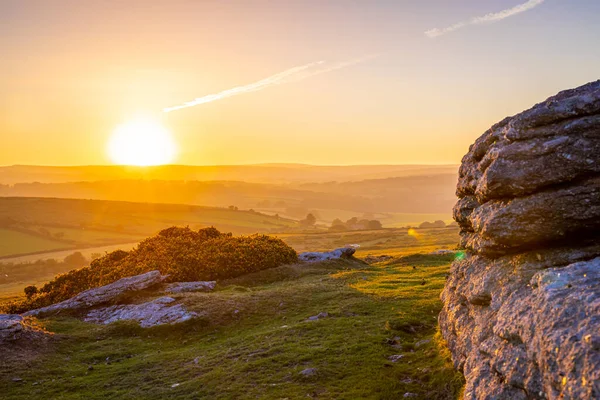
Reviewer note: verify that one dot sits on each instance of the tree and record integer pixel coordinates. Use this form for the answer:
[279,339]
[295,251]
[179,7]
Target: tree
[439,224]
[30,291]
[75,260]
[374,224]
[310,220]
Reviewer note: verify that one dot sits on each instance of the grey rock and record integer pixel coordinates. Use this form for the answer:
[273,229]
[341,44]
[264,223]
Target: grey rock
[181,287]
[309,372]
[521,311]
[396,357]
[318,316]
[160,311]
[343,252]
[409,395]
[103,294]
[15,327]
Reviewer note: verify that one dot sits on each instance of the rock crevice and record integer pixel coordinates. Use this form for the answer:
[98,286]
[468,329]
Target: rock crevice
[521,311]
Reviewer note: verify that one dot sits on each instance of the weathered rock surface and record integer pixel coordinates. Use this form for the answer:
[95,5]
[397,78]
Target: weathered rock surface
[103,294]
[521,310]
[343,252]
[156,312]
[14,327]
[182,287]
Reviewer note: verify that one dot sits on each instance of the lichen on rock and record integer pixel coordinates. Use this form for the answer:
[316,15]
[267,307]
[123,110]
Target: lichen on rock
[521,310]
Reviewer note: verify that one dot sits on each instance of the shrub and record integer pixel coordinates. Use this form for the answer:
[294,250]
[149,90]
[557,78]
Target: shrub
[180,253]
[30,291]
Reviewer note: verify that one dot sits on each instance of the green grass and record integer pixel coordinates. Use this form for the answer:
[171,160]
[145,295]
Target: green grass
[259,350]
[396,241]
[15,242]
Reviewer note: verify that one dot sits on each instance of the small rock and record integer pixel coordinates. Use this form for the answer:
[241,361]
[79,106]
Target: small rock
[309,372]
[395,357]
[17,380]
[422,343]
[409,394]
[197,360]
[318,316]
[344,252]
[182,287]
[175,385]
[90,368]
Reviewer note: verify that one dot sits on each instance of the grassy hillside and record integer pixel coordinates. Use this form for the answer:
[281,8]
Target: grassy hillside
[255,341]
[29,225]
[16,273]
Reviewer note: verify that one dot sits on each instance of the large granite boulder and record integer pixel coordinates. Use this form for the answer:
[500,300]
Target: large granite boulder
[103,294]
[521,310]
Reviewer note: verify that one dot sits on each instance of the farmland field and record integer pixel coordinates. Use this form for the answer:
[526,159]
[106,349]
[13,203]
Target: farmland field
[15,242]
[35,225]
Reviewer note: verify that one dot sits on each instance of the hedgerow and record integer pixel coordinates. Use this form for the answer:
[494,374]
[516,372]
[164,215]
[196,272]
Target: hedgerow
[180,253]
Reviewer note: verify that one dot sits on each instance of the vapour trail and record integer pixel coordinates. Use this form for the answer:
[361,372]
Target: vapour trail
[289,75]
[486,19]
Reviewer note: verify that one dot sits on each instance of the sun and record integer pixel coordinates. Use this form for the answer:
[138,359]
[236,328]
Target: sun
[141,142]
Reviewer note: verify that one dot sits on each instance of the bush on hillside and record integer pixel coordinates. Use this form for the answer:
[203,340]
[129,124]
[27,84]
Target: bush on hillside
[180,253]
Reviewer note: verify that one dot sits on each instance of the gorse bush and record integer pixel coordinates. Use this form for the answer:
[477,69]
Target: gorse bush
[180,253]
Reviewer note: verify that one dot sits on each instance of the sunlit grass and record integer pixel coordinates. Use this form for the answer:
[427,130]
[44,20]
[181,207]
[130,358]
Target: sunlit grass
[255,341]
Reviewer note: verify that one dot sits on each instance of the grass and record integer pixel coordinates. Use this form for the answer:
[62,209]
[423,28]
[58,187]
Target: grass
[396,241]
[254,341]
[15,242]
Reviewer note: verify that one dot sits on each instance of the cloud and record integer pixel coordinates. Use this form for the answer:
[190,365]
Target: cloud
[289,75]
[486,19]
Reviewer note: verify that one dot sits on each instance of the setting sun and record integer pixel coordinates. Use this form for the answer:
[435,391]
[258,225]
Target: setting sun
[141,142]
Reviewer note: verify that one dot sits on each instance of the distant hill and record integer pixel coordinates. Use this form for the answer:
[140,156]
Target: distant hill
[411,194]
[262,173]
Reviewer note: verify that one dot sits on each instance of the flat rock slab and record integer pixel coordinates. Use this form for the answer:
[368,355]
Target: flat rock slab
[160,311]
[103,294]
[343,252]
[182,287]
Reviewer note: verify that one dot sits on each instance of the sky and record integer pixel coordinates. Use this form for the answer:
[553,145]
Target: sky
[71,72]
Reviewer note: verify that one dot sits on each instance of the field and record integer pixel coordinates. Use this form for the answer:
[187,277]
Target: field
[37,225]
[255,340]
[15,242]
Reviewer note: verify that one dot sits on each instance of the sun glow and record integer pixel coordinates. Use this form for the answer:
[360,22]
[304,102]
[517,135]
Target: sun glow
[142,142]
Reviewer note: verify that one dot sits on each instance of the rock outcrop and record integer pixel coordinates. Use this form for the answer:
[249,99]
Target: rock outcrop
[315,256]
[156,312]
[103,294]
[521,312]
[183,287]
[15,327]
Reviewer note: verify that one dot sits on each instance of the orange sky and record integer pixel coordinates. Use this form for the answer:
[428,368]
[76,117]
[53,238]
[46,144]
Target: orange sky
[72,71]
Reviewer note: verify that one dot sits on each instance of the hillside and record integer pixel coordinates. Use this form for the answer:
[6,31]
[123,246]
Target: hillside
[30,225]
[263,173]
[255,339]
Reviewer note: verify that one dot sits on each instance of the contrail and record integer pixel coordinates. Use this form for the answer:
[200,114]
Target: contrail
[289,75]
[488,18]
